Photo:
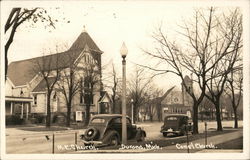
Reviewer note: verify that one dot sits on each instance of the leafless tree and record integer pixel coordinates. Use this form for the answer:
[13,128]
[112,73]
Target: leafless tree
[151,101]
[112,82]
[17,17]
[92,77]
[229,45]
[48,67]
[138,86]
[69,83]
[197,55]
[234,89]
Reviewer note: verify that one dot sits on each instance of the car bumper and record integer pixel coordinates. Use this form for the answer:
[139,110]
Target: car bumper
[174,132]
[92,142]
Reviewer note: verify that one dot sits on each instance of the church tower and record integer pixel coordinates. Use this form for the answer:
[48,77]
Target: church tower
[186,98]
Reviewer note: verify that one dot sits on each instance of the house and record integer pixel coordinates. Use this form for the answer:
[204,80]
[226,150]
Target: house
[25,88]
[178,101]
[173,101]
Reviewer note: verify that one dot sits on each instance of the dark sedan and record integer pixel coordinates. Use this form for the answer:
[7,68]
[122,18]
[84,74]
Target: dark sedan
[106,129]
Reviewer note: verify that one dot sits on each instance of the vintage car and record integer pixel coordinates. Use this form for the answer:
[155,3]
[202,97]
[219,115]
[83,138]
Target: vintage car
[106,129]
[176,124]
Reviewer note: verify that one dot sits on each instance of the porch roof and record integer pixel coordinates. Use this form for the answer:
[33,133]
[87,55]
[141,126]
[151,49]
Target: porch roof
[18,99]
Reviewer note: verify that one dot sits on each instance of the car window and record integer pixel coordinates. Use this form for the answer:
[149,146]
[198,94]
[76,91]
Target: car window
[128,121]
[117,120]
[171,118]
[98,120]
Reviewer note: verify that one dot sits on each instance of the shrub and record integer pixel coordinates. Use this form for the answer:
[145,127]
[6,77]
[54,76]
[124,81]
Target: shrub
[14,120]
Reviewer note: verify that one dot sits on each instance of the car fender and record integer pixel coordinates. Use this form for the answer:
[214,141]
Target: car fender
[140,132]
[109,134]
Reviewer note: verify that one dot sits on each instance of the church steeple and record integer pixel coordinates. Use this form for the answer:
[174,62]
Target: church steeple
[84,28]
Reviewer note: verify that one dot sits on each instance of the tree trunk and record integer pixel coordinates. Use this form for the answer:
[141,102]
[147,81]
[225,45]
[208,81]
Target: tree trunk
[235,118]
[218,116]
[195,118]
[87,110]
[68,115]
[6,63]
[136,113]
[48,117]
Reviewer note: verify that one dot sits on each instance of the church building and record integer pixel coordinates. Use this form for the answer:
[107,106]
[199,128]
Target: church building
[25,89]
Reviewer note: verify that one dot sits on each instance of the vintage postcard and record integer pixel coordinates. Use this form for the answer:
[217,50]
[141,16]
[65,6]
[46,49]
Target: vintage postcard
[125,79]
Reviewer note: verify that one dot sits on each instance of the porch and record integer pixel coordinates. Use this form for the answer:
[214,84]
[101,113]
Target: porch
[20,106]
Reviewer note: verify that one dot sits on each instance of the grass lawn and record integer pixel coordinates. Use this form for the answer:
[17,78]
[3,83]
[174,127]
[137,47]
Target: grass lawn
[234,144]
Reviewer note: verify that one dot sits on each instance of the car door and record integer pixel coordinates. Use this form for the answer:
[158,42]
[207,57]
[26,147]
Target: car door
[129,128]
[116,124]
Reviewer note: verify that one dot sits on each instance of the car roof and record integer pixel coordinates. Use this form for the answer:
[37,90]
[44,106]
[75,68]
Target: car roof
[107,116]
[177,115]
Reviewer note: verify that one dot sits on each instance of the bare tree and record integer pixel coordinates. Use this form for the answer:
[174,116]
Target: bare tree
[234,89]
[112,82]
[92,77]
[48,68]
[152,98]
[229,44]
[199,57]
[17,17]
[69,83]
[138,86]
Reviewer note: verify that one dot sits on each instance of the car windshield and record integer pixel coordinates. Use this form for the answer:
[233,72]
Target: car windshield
[98,120]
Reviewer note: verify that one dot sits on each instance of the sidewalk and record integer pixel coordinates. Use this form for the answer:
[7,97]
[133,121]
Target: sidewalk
[199,145]
[17,132]
[194,146]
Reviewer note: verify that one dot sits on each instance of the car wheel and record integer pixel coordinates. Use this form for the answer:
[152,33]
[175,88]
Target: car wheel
[114,140]
[91,133]
[142,137]
[111,138]
[165,134]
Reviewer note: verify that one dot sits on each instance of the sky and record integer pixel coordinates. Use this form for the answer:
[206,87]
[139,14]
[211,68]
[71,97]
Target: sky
[109,23]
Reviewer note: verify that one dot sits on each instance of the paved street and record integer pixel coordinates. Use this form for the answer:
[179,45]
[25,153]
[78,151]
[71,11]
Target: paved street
[19,141]
[153,129]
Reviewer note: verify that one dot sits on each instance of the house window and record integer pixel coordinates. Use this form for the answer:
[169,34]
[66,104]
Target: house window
[81,98]
[21,93]
[54,97]
[35,99]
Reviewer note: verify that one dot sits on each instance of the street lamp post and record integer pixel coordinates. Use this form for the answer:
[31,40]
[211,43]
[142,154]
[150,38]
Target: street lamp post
[132,108]
[124,52]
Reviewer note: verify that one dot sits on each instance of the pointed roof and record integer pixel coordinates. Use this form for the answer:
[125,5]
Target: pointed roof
[83,40]
[159,99]
[42,86]
[22,72]
[187,78]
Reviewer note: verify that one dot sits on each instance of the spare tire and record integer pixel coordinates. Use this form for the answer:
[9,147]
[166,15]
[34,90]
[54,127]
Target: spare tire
[91,133]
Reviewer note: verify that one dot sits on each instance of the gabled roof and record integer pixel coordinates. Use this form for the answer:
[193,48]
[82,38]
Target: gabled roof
[83,40]
[42,86]
[159,99]
[22,72]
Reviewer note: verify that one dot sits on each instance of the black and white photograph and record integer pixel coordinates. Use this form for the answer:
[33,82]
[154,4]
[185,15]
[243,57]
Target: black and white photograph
[125,79]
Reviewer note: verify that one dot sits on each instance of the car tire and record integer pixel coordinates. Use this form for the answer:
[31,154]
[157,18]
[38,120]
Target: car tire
[114,141]
[165,134]
[111,138]
[143,136]
[91,133]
